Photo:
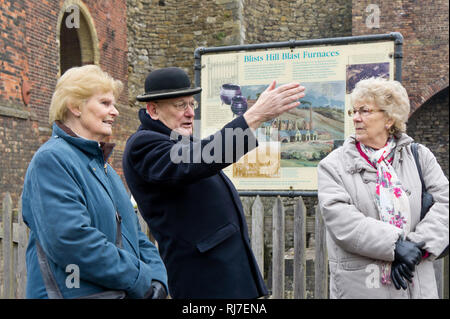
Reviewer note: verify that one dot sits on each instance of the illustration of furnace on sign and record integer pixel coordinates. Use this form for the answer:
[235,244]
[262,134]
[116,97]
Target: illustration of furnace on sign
[263,161]
[230,94]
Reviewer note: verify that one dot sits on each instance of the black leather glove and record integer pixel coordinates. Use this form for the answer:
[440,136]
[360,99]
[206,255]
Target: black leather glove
[400,272]
[408,253]
[158,290]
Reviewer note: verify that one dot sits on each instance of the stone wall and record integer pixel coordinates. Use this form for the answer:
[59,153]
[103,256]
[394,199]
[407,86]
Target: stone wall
[166,33]
[274,21]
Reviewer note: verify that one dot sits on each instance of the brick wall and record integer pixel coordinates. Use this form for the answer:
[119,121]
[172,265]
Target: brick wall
[18,143]
[429,126]
[425,66]
[29,51]
[18,129]
[424,27]
[111,26]
[14,66]
[42,57]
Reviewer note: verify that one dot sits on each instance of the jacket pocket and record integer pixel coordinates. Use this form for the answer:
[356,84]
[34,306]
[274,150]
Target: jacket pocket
[357,263]
[216,238]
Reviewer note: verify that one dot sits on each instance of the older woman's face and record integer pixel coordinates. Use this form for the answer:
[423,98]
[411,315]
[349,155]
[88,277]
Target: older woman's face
[371,124]
[97,116]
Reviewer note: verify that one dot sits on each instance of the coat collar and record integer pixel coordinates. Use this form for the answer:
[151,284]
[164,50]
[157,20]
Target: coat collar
[147,123]
[92,147]
[355,163]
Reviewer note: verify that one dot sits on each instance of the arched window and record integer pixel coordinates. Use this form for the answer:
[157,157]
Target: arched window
[69,49]
[77,38]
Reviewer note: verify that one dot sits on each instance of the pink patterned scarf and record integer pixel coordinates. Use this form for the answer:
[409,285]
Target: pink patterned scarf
[392,203]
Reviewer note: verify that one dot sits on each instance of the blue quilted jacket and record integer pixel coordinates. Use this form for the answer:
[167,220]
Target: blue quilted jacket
[69,202]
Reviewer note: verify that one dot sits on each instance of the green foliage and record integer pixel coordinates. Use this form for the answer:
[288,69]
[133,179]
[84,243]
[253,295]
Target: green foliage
[219,36]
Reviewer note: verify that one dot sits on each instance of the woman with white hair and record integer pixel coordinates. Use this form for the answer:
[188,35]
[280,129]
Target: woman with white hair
[369,193]
[85,239]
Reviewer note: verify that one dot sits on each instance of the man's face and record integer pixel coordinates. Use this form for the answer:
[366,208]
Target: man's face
[177,113]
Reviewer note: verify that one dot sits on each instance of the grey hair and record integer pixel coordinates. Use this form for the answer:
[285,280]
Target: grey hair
[389,95]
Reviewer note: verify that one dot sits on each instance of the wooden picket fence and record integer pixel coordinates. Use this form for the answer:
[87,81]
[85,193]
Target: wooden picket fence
[14,240]
[301,226]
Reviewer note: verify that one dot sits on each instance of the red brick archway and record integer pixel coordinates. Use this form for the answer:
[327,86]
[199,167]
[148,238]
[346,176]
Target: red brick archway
[427,93]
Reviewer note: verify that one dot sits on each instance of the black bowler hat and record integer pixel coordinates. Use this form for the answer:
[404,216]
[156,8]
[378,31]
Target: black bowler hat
[167,83]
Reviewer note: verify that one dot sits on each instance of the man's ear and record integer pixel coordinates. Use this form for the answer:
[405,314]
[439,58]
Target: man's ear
[152,110]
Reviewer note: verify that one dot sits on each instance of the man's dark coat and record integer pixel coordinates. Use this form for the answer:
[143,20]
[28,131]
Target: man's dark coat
[193,211]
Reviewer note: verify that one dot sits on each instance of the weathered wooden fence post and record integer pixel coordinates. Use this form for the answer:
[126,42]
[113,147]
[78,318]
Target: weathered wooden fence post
[258,232]
[320,262]
[21,253]
[439,274]
[278,250]
[299,249]
[7,245]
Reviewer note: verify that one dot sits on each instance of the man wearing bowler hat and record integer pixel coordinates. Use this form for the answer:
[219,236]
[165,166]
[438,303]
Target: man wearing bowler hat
[192,209]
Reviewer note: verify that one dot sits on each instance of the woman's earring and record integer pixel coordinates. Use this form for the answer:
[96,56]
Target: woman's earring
[390,129]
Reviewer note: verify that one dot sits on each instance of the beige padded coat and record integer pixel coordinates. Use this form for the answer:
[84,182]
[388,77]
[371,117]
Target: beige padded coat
[358,242]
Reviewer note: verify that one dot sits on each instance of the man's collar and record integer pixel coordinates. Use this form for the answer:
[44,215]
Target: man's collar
[147,123]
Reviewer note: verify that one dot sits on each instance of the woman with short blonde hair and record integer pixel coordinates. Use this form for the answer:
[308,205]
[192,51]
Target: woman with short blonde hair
[78,84]
[76,206]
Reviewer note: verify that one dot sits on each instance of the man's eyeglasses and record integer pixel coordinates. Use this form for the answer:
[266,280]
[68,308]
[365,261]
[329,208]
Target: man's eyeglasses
[363,112]
[182,106]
